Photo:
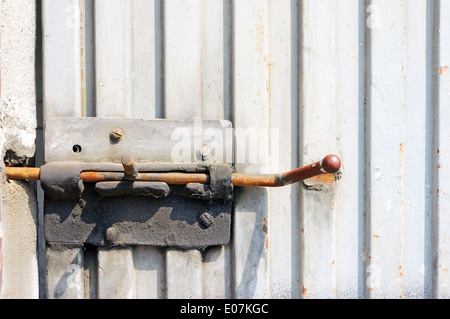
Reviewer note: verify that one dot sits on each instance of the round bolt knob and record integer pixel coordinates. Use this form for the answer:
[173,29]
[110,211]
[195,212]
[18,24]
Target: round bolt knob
[331,163]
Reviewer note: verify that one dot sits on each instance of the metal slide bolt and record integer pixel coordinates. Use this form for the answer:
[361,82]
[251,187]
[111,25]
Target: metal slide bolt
[330,164]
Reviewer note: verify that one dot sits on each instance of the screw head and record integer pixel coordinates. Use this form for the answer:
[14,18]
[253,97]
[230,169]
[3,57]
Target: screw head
[112,234]
[116,135]
[204,153]
[206,219]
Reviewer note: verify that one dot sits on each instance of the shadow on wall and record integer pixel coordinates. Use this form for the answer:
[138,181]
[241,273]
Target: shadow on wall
[255,201]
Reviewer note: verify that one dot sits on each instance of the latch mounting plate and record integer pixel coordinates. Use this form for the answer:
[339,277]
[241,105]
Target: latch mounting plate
[192,216]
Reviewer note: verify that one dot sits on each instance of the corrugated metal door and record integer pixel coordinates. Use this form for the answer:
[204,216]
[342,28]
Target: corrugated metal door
[366,80]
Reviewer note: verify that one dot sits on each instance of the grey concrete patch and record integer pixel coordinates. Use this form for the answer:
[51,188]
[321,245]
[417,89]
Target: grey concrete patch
[18,223]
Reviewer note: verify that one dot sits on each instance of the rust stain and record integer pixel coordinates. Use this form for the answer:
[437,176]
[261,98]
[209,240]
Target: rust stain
[333,204]
[375,236]
[333,262]
[439,166]
[442,69]
[265,230]
[260,34]
[321,179]
[437,151]
[305,18]
[304,291]
[83,84]
[401,147]
[265,226]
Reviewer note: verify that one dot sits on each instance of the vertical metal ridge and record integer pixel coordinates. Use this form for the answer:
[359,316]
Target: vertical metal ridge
[130,57]
[335,128]
[282,87]
[83,56]
[159,59]
[403,137]
[114,83]
[250,101]
[187,96]
[149,266]
[61,67]
[227,58]
[89,53]
[233,115]
[365,165]
[39,157]
[432,231]
[62,90]
[295,150]
[300,143]
[200,56]
[91,268]
[228,111]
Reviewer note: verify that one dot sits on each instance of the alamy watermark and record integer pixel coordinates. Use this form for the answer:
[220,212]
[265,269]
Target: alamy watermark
[246,146]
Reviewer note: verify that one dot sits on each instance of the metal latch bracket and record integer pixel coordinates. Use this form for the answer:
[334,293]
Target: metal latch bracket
[131,211]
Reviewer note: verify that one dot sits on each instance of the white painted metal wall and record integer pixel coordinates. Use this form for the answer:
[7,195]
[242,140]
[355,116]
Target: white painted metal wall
[366,80]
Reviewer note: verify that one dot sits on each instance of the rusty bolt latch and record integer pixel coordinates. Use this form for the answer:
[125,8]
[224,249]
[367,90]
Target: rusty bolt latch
[330,164]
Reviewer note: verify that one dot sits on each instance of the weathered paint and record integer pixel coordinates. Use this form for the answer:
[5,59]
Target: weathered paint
[365,80]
